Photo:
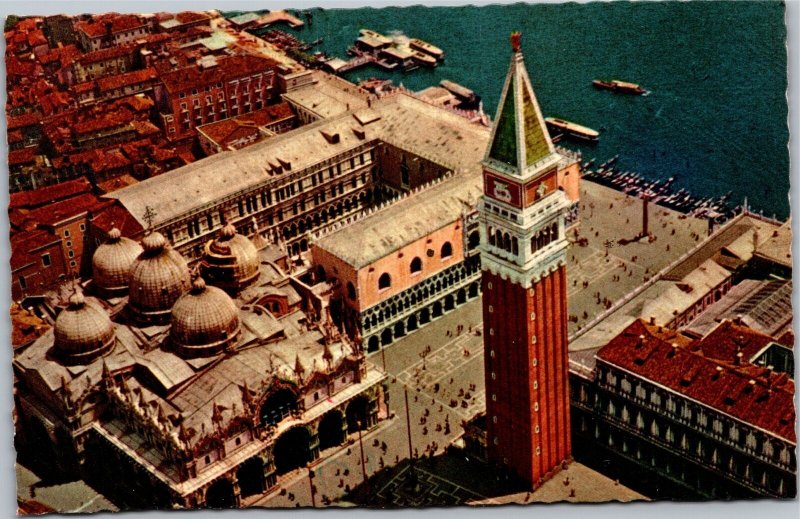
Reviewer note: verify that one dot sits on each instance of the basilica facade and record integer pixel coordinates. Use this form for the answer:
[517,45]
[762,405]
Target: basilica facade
[171,387]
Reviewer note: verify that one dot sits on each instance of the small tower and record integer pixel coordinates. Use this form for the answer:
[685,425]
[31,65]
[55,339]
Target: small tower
[523,252]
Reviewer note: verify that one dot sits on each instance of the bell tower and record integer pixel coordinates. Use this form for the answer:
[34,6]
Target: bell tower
[523,253]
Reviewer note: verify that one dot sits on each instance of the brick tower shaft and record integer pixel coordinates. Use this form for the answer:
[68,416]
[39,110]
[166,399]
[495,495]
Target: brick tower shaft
[523,252]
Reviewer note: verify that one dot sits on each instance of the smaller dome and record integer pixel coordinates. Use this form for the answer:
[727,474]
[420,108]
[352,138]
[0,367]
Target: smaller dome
[83,331]
[205,321]
[158,277]
[112,262]
[154,243]
[227,232]
[231,260]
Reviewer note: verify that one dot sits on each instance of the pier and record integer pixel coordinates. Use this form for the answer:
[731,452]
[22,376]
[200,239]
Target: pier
[340,66]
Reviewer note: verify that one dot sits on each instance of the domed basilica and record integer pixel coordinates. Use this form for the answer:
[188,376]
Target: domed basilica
[195,385]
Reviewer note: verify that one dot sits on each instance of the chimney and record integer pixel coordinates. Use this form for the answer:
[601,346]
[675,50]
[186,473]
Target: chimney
[652,320]
[717,373]
[640,342]
[738,359]
[672,350]
[738,320]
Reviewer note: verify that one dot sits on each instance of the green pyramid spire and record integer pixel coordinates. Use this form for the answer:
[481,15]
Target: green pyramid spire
[520,137]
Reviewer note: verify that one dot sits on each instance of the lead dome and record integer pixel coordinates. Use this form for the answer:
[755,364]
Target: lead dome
[205,321]
[83,331]
[230,260]
[112,262]
[158,278]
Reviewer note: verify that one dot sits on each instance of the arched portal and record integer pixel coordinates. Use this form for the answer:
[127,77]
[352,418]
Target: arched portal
[399,329]
[291,450]
[449,302]
[424,316]
[331,429]
[373,344]
[462,296]
[251,477]
[277,406]
[437,309]
[386,337]
[473,289]
[412,323]
[356,414]
[220,494]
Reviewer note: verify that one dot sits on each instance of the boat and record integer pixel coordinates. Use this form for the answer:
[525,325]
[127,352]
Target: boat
[616,85]
[427,48]
[384,40]
[426,60]
[571,129]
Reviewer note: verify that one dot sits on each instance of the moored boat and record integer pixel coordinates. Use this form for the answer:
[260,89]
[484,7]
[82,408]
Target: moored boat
[423,59]
[616,85]
[572,129]
[384,40]
[427,48]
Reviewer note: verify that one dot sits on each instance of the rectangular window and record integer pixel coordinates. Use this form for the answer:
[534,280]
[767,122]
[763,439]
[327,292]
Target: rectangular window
[22,283]
[66,233]
[82,227]
[46,260]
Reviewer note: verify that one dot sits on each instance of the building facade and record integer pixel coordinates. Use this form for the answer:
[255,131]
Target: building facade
[215,88]
[387,288]
[180,395]
[523,251]
[110,30]
[691,418]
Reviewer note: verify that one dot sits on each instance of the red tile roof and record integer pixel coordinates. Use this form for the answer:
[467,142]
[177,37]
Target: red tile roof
[106,54]
[117,216]
[191,16]
[767,402]
[57,212]
[113,119]
[84,87]
[15,136]
[128,78]
[109,160]
[23,156]
[23,120]
[119,23]
[36,38]
[48,194]
[227,130]
[227,68]
[727,339]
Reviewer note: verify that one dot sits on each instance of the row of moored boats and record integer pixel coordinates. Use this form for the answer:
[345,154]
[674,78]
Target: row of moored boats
[658,192]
